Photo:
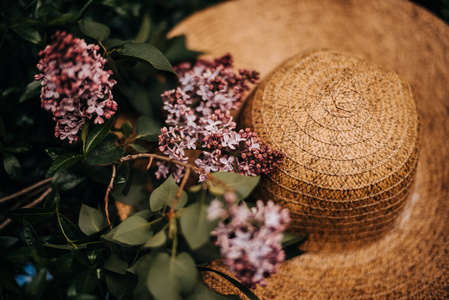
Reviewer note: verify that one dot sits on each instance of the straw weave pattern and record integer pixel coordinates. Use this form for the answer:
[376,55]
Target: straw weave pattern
[350,134]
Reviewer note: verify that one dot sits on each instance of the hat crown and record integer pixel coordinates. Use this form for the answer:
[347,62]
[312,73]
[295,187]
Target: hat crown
[350,133]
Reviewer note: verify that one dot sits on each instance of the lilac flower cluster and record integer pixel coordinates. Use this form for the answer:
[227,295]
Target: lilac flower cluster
[199,119]
[250,243]
[75,86]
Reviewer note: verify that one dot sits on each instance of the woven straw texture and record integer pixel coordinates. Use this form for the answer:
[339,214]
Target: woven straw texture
[349,131]
[411,259]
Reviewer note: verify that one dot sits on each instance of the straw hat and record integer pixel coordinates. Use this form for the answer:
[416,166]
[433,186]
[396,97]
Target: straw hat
[377,213]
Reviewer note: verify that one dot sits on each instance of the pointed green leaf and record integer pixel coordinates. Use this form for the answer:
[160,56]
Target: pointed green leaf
[94,30]
[178,52]
[63,162]
[32,214]
[19,148]
[31,237]
[146,128]
[195,226]
[106,152]
[157,240]
[242,185]
[115,264]
[145,29]
[127,129]
[64,19]
[171,279]
[121,285]
[54,152]
[195,188]
[91,220]
[7,241]
[139,148]
[70,229]
[165,193]
[12,166]
[33,89]
[36,287]
[133,231]
[28,33]
[147,53]
[84,133]
[65,180]
[289,239]
[97,134]
[85,282]
[103,175]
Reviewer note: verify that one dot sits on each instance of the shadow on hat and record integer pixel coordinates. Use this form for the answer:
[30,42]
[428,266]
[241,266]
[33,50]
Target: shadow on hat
[364,126]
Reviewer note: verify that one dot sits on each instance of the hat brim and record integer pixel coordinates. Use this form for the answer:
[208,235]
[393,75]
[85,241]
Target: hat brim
[412,260]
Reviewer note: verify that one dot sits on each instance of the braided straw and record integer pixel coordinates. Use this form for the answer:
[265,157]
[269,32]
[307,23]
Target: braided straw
[411,259]
[349,131]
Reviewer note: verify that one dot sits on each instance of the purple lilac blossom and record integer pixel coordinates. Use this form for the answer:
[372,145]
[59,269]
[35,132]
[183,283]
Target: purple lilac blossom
[250,242]
[75,86]
[199,118]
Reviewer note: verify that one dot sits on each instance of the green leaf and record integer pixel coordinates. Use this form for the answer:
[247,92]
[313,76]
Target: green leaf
[7,241]
[242,185]
[54,152]
[19,148]
[146,128]
[33,89]
[115,264]
[145,29]
[195,226]
[21,256]
[28,33]
[133,231]
[97,134]
[196,188]
[169,279]
[65,180]
[63,162]
[33,215]
[84,133]
[94,30]
[178,52]
[157,240]
[64,19]
[165,194]
[140,268]
[103,175]
[139,148]
[147,53]
[36,287]
[12,166]
[91,220]
[289,239]
[70,229]
[85,282]
[127,129]
[119,285]
[106,152]
[31,237]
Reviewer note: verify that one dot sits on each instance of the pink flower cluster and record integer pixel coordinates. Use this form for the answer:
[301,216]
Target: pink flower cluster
[75,86]
[250,243]
[199,118]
